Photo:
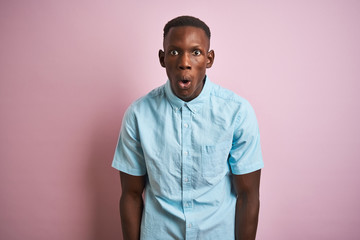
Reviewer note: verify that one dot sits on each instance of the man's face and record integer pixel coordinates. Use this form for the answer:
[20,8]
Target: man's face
[186,56]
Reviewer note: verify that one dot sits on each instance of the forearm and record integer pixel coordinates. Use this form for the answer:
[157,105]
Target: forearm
[246,220]
[131,208]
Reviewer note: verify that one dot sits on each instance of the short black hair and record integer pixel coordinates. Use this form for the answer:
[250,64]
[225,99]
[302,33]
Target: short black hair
[183,21]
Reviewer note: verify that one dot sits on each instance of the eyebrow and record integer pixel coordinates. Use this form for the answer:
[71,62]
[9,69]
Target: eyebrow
[191,47]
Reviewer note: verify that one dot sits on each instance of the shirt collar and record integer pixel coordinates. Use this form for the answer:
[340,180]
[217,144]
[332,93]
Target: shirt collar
[194,104]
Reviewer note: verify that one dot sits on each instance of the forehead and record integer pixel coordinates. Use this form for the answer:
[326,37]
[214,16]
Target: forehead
[186,35]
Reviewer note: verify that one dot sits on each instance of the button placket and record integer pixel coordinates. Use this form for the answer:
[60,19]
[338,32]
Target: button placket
[187,201]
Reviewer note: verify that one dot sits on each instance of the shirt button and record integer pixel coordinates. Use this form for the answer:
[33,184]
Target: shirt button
[186,180]
[189,225]
[186,153]
[186,125]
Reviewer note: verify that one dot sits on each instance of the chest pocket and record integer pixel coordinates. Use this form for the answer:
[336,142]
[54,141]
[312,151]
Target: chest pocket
[214,161]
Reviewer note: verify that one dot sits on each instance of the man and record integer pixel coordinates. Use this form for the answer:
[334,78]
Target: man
[194,148]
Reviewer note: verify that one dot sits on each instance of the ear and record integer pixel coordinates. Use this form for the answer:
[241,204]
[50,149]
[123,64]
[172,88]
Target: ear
[162,58]
[210,58]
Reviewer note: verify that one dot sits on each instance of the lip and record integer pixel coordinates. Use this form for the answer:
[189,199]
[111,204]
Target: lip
[184,84]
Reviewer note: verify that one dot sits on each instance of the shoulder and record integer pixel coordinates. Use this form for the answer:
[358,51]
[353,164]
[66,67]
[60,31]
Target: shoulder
[226,102]
[228,97]
[152,98]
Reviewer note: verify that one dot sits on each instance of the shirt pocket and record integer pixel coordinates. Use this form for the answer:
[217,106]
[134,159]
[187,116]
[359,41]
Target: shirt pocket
[214,161]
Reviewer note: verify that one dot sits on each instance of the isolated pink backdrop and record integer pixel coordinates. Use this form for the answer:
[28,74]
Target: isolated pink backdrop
[69,69]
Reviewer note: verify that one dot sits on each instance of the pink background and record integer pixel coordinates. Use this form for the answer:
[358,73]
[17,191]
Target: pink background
[69,69]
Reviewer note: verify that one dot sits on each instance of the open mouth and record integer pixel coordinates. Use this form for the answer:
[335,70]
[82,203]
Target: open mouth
[184,83]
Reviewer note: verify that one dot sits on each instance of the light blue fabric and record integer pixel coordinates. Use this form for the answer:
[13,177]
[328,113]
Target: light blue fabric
[188,151]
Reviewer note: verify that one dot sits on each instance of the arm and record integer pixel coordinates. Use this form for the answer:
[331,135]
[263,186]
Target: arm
[131,205]
[247,205]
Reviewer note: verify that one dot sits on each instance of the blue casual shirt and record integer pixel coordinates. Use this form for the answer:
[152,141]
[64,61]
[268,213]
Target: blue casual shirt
[188,151]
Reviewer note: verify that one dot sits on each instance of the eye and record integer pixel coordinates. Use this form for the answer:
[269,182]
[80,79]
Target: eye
[174,52]
[196,52]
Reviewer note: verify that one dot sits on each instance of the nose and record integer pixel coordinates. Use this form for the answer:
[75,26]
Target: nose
[184,62]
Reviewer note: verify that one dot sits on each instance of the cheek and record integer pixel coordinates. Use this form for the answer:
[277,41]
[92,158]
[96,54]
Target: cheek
[199,61]
[200,66]
[170,63]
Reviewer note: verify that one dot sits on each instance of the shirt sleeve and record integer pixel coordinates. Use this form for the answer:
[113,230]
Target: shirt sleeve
[129,157]
[245,154]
